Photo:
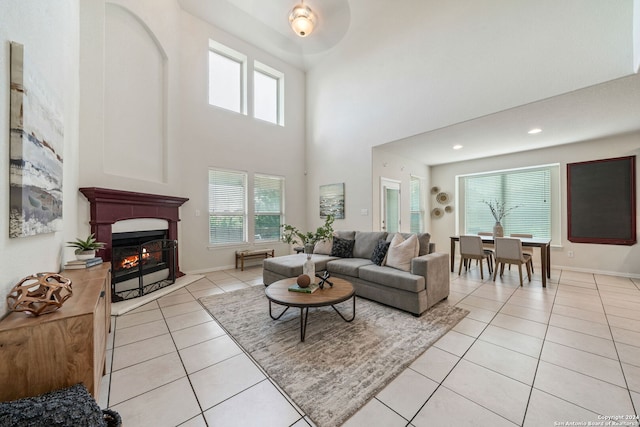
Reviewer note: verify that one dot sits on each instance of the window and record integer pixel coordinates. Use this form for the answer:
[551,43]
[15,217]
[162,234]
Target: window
[227,78]
[267,93]
[268,195]
[530,189]
[227,206]
[416,205]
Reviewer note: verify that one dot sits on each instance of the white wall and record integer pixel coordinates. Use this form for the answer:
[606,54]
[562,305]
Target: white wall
[612,259]
[636,36]
[48,31]
[386,80]
[214,137]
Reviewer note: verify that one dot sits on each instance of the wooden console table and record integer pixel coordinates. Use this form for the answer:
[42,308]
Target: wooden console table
[56,350]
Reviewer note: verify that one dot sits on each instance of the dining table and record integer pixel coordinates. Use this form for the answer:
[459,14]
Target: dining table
[535,242]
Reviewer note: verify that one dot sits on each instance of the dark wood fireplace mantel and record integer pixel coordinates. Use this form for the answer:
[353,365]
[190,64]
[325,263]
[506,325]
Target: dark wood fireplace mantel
[110,206]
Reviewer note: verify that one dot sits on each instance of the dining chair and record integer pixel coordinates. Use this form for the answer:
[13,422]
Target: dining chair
[525,249]
[509,251]
[488,247]
[471,248]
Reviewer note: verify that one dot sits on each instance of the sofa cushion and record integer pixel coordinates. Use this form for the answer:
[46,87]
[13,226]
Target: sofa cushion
[323,247]
[349,235]
[423,240]
[342,248]
[347,266]
[402,251]
[380,252]
[366,242]
[392,278]
[291,265]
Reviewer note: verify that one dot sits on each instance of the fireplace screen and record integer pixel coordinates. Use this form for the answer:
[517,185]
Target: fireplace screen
[142,267]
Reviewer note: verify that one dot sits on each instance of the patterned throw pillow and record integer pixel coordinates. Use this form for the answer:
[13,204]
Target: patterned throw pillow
[342,248]
[380,252]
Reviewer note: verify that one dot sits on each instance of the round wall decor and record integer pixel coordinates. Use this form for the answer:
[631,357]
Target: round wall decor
[442,198]
[437,213]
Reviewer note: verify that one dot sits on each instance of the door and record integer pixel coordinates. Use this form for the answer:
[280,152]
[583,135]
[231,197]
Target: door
[390,203]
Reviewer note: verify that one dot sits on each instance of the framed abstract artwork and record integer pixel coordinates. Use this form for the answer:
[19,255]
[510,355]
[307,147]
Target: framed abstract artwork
[35,153]
[332,200]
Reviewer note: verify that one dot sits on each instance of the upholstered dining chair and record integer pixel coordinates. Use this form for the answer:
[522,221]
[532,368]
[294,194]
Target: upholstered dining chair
[471,248]
[509,251]
[525,250]
[488,247]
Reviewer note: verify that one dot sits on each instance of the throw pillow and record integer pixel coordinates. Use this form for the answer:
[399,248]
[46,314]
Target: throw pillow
[380,252]
[402,251]
[342,248]
[323,247]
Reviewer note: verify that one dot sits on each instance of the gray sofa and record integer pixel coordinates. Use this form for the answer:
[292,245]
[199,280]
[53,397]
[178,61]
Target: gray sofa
[414,291]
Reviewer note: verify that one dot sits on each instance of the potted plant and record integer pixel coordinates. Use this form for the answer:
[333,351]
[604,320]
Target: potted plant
[86,249]
[292,235]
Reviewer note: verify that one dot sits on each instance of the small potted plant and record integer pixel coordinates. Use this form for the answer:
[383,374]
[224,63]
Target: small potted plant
[86,249]
[291,234]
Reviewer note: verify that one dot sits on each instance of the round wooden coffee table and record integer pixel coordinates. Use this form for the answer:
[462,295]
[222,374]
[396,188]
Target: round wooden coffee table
[279,293]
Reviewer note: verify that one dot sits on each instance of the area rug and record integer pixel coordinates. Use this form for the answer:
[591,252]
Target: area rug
[339,366]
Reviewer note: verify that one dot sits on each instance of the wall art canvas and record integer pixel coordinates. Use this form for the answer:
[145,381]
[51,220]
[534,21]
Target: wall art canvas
[332,200]
[35,154]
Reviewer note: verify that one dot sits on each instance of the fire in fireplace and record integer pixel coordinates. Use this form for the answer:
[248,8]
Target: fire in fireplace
[142,262]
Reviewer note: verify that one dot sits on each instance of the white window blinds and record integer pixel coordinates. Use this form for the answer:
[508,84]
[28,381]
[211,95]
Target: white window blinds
[227,206]
[268,206]
[528,191]
[416,205]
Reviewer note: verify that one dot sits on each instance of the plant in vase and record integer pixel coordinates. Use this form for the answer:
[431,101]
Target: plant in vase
[86,249]
[499,210]
[292,235]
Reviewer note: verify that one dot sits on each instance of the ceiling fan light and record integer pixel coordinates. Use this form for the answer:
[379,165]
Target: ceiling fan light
[302,20]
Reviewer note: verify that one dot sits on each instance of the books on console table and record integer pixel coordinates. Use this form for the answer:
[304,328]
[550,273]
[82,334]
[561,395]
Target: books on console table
[312,288]
[83,263]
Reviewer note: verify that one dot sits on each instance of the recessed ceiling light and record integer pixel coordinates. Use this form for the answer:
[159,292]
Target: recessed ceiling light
[457,147]
[534,131]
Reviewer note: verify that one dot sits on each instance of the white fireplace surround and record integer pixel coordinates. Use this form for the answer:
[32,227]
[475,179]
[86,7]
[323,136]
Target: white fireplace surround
[139,224]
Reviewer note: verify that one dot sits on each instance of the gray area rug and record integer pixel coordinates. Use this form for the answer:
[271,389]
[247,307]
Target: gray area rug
[340,366]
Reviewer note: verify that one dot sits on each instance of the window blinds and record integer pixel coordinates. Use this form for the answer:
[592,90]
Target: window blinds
[227,206]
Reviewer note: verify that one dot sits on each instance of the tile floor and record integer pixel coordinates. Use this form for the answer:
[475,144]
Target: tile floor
[524,356]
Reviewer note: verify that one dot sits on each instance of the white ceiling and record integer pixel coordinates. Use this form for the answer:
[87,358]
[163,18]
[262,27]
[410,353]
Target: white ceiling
[594,112]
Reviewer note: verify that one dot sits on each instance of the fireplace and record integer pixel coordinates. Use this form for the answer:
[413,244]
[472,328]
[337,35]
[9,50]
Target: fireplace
[156,251]
[141,262]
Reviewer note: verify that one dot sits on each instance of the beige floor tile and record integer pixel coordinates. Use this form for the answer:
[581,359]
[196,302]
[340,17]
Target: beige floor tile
[230,280]
[188,319]
[545,410]
[626,336]
[224,380]
[178,309]
[596,366]
[454,342]
[579,325]
[582,390]
[623,282]
[470,327]
[135,319]
[375,414]
[261,405]
[213,275]
[108,355]
[592,316]
[622,312]
[435,363]
[507,362]
[215,290]
[566,290]
[140,332]
[629,354]
[233,286]
[580,341]
[454,298]
[581,303]
[168,405]
[173,299]
[492,292]
[515,341]
[496,392]
[484,303]
[526,313]
[201,284]
[103,398]
[636,401]
[615,291]
[624,323]
[141,351]
[197,334]
[208,353]
[544,305]
[632,375]
[476,313]
[449,409]
[576,276]
[579,284]
[197,421]
[143,377]
[518,324]
[407,393]
[153,305]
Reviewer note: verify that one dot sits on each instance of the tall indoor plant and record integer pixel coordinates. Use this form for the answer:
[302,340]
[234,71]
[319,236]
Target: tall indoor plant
[293,235]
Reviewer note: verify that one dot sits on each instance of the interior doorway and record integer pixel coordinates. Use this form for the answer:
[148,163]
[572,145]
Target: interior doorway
[390,198]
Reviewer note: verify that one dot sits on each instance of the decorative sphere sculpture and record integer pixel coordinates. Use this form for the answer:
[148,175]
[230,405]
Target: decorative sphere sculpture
[39,293]
[303,281]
